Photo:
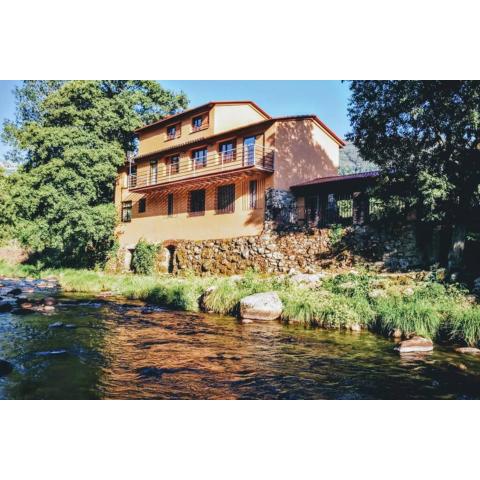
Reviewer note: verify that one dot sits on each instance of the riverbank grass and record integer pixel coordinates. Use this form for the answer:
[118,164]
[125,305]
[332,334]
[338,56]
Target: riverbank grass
[381,303]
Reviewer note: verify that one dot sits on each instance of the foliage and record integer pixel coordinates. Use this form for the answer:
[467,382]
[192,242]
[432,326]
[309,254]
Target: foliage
[427,133]
[72,137]
[144,257]
[5,209]
[425,137]
[336,234]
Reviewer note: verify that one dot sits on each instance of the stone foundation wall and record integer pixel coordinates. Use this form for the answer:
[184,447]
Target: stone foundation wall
[270,252]
[394,248]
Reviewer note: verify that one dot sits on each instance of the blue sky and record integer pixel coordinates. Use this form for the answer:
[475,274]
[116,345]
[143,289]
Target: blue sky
[326,98]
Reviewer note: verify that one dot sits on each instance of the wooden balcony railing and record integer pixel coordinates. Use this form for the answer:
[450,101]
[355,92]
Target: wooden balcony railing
[214,163]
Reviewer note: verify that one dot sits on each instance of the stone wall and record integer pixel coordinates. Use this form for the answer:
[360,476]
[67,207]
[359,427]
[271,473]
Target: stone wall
[391,247]
[396,246]
[270,252]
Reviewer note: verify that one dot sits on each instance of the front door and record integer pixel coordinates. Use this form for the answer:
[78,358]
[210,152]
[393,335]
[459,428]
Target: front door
[249,151]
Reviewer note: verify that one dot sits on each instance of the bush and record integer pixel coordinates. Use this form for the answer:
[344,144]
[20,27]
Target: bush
[336,237]
[144,258]
[465,325]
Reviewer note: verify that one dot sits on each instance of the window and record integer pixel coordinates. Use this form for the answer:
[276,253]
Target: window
[142,205]
[153,172]
[252,192]
[173,132]
[249,151]
[174,163]
[197,123]
[132,176]
[226,198]
[199,158]
[126,211]
[170,204]
[196,202]
[227,151]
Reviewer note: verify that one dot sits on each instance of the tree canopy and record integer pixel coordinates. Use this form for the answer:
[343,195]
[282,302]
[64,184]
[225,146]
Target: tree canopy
[425,137]
[71,138]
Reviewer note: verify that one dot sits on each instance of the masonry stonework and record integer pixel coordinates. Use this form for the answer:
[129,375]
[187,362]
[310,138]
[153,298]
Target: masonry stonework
[394,248]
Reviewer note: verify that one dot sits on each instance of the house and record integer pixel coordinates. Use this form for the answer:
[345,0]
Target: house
[219,171]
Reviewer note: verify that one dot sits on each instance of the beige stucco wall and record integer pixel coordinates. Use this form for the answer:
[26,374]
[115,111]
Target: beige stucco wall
[227,117]
[304,151]
[156,226]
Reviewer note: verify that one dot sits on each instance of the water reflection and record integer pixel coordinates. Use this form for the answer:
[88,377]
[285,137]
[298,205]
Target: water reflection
[92,349]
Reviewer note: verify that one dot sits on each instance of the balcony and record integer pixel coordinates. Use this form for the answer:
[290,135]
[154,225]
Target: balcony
[212,166]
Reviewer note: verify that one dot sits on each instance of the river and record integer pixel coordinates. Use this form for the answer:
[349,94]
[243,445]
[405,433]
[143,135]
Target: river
[88,348]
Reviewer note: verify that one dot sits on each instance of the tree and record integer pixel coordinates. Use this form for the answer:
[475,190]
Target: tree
[73,138]
[425,137]
[5,208]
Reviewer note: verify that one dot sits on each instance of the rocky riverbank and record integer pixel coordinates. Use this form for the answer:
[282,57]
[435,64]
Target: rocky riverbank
[402,306]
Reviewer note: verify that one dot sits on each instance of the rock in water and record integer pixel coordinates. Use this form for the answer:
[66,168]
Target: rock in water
[415,344]
[468,350]
[5,368]
[56,325]
[5,307]
[15,292]
[261,306]
[49,301]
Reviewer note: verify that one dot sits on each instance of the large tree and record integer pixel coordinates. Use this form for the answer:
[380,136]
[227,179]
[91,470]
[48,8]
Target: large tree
[71,138]
[425,136]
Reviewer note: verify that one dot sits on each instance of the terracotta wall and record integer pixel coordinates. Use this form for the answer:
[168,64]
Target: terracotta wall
[156,226]
[304,152]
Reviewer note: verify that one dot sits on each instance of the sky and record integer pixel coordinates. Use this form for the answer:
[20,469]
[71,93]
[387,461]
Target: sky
[326,98]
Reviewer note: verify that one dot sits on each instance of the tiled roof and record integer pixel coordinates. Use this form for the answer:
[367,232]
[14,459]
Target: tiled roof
[339,178]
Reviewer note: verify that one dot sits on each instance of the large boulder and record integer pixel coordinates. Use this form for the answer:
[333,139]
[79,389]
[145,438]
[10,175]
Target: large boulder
[261,306]
[415,344]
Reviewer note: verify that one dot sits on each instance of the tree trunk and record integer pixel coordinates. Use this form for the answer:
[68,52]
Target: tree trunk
[457,247]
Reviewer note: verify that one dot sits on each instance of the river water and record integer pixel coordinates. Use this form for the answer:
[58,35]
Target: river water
[92,349]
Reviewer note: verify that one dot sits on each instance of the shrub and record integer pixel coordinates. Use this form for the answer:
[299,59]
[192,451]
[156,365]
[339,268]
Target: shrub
[465,325]
[144,258]
[409,314]
[336,236]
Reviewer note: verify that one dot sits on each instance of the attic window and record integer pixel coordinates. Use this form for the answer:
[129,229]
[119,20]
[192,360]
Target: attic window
[173,131]
[199,123]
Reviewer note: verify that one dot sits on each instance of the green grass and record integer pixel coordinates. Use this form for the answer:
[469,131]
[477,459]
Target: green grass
[429,309]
